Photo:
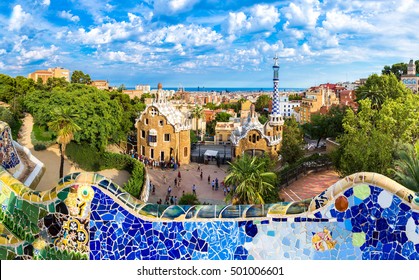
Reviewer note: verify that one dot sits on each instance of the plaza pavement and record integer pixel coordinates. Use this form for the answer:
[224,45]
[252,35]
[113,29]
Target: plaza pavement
[306,187]
[309,186]
[190,175]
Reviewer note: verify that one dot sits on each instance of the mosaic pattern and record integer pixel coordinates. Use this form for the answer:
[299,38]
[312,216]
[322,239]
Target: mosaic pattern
[8,155]
[364,216]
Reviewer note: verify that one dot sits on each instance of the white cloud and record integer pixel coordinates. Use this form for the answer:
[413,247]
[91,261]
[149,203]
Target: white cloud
[108,32]
[38,53]
[18,19]
[336,21]
[258,18]
[173,6]
[2,51]
[46,2]
[302,13]
[68,15]
[188,35]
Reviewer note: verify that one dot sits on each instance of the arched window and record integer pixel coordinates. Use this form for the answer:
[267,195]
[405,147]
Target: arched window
[185,151]
[152,137]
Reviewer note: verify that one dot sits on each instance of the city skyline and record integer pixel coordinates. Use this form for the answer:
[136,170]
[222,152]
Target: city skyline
[209,43]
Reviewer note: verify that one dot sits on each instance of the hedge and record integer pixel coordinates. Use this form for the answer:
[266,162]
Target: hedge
[90,159]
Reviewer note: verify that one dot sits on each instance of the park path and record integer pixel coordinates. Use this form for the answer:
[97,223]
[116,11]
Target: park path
[51,159]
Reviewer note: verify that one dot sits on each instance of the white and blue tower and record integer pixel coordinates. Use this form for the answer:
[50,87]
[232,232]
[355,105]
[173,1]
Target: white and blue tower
[275,117]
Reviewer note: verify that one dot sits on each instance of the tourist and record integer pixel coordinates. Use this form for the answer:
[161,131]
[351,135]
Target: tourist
[209,179]
[159,201]
[169,190]
[183,193]
[216,184]
[175,200]
[213,184]
[175,182]
[199,167]
[154,189]
[172,201]
[225,191]
[194,189]
[201,175]
[178,175]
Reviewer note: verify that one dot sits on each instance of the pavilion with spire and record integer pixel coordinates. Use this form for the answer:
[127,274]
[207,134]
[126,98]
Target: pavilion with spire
[254,138]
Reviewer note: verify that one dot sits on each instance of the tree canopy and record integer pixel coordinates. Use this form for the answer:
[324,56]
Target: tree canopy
[78,77]
[251,182]
[262,102]
[292,142]
[398,69]
[380,88]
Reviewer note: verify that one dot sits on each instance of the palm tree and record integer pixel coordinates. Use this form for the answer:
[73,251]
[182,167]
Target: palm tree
[407,167]
[251,180]
[197,113]
[65,127]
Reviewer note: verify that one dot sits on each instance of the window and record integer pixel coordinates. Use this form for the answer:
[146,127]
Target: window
[146,121]
[250,138]
[167,137]
[185,152]
[254,138]
[152,137]
[152,153]
[142,134]
[161,122]
[257,138]
[161,156]
[142,150]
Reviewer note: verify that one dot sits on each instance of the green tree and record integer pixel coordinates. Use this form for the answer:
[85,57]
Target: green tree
[197,113]
[328,125]
[380,88]
[194,139]
[250,180]
[294,97]
[64,125]
[292,142]
[364,146]
[222,117]
[406,169]
[78,77]
[262,102]
[263,118]
[188,199]
[397,69]
[56,82]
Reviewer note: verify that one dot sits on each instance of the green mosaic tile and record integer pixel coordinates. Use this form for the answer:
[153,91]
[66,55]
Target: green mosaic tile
[19,204]
[362,191]
[51,207]
[358,239]
[12,202]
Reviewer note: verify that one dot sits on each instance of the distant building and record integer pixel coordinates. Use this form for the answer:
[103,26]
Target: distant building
[286,107]
[347,98]
[163,132]
[317,100]
[411,79]
[144,88]
[133,93]
[256,139]
[100,84]
[44,75]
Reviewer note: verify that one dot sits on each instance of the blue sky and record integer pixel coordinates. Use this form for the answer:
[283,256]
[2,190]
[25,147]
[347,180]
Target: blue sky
[209,43]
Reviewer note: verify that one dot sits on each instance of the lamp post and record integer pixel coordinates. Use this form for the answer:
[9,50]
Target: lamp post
[225,152]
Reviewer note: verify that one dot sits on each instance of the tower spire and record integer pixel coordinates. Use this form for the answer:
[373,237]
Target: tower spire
[275,116]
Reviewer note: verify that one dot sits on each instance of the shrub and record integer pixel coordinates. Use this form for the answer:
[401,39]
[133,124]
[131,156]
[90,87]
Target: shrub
[90,159]
[189,199]
[39,147]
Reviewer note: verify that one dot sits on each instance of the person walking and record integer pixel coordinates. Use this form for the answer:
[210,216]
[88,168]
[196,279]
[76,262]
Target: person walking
[209,179]
[201,175]
[194,190]
[175,200]
[216,184]
[213,184]
[169,190]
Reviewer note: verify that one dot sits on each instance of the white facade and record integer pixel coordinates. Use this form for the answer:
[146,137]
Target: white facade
[144,88]
[286,107]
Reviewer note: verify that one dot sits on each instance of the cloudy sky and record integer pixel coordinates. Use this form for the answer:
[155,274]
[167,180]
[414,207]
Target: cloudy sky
[209,43]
